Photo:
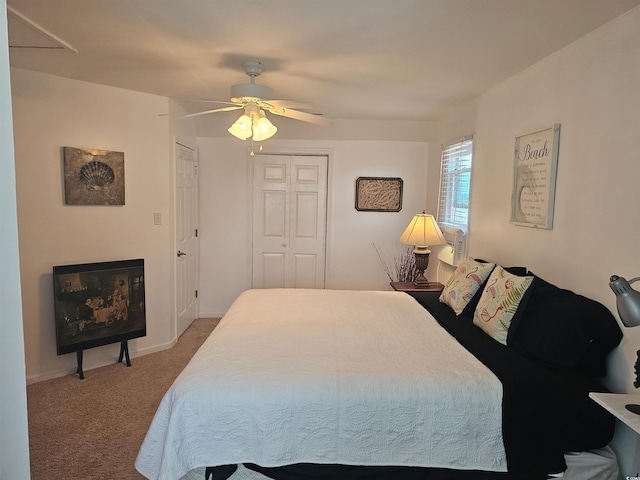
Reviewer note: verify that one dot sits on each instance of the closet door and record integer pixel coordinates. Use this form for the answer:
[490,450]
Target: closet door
[289,221]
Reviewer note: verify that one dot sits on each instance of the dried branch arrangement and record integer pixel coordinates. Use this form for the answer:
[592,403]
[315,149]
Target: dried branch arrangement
[397,262]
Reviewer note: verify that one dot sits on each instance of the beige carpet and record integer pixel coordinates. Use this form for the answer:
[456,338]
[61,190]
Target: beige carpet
[93,428]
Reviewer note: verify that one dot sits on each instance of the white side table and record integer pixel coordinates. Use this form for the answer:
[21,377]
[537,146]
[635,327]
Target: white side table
[615,404]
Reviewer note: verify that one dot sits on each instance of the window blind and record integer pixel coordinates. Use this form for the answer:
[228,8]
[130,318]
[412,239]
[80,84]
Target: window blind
[455,184]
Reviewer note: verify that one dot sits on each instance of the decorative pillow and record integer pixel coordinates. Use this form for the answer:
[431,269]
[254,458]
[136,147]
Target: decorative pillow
[565,330]
[473,303]
[464,283]
[501,298]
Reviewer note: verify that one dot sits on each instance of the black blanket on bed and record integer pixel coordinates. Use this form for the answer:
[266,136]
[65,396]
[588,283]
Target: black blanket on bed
[546,412]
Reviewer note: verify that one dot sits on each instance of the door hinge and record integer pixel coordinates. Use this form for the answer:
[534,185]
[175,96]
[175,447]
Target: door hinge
[196,293]
[195,169]
[196,232]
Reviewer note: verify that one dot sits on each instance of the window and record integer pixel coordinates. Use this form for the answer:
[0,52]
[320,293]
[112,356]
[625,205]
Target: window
[455,183]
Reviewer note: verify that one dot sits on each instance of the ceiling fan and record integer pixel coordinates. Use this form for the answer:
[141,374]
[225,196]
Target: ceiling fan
[255,100]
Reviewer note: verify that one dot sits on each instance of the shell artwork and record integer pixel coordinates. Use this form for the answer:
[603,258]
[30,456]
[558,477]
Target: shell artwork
[93,177]
[96,175]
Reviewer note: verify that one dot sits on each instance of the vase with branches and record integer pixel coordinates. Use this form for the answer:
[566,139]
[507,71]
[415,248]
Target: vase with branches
[397,262]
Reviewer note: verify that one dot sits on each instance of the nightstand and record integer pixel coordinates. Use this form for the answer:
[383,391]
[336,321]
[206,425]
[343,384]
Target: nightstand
[615,403]
[410,287]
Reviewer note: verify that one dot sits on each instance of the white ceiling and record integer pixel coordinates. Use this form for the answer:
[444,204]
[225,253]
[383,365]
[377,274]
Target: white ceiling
[354,59]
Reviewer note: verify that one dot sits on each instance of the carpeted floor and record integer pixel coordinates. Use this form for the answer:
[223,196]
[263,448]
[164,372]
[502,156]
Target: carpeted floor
[92,428]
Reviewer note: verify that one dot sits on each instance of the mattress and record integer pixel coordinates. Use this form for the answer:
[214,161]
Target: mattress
[328,377]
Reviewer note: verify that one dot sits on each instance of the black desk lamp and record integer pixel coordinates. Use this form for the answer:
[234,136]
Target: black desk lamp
[628,303]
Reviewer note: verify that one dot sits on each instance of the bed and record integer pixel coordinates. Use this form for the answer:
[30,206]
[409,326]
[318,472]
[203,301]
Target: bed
[297,383]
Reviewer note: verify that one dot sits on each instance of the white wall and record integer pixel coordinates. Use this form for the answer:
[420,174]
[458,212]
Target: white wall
[592,89]
[352,263]
[14,442]
[49,113]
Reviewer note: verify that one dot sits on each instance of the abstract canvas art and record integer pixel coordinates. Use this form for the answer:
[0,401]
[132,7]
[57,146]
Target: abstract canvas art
[93,177]
[378,194]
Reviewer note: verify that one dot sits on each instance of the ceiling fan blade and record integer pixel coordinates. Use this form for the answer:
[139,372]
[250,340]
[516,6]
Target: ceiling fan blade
[290,104]
[302,116]
[223,109]
[192,99]
[207,100]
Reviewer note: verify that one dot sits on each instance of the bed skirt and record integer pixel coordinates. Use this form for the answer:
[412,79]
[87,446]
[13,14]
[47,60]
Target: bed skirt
[600,464]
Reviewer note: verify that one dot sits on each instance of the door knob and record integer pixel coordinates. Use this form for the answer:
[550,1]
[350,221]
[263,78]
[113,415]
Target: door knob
[181,254]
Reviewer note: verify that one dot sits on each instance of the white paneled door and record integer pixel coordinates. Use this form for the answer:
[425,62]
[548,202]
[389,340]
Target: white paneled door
[187,252]
[289,221]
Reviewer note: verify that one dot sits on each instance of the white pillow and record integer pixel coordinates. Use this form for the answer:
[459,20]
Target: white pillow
[499,302]
[464,283]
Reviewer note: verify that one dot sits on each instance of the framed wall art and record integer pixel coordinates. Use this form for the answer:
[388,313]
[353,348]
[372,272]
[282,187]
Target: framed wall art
[535,165]
[93,177]
[98,303]
[378,194]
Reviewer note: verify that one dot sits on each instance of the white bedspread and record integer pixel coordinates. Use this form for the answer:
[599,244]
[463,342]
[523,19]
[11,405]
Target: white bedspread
[327,376]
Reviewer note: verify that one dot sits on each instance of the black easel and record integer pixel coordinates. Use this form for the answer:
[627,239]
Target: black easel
[79,371]
[124,352]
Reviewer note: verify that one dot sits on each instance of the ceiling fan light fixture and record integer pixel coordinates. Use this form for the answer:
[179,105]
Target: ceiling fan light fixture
[256,100]
[263,128]
[241,128]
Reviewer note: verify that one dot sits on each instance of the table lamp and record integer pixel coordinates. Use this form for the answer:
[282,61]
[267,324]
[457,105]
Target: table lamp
[628,303]
[422,232]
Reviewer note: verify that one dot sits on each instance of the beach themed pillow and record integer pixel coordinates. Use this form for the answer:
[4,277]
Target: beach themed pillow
[464,283]
[501,299]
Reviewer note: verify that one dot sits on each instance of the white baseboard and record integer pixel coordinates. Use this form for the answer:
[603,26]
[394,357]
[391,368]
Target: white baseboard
[100,361]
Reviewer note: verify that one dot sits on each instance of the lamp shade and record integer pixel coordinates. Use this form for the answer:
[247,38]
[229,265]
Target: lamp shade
[263,128]
[423,231]
[253,123]
[627,300]
[241,128]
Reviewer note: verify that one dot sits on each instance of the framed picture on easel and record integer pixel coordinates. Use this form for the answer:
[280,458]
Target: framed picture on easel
[98,304]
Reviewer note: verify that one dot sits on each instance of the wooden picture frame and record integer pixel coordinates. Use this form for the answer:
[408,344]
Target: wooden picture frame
[379,194]
[535,167]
